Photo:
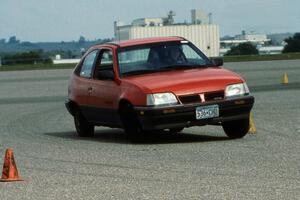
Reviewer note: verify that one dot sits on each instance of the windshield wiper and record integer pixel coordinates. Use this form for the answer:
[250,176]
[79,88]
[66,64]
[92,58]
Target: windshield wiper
[166,68]
[137,72]
[171,67]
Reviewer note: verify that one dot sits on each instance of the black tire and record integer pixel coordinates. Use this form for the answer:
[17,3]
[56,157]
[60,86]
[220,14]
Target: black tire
[236,129]
[175,130]
[130,122]
[83,127]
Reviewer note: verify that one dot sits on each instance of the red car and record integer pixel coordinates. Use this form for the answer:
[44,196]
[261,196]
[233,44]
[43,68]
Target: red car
[163,83]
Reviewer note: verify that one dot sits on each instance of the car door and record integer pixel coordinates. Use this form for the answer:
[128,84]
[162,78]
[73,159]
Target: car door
[104,90]
[83,85]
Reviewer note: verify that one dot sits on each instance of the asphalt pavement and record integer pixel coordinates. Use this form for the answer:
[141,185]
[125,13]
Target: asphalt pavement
[199,163]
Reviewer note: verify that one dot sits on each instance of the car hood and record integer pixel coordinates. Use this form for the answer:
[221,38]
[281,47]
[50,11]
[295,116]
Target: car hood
[187,81]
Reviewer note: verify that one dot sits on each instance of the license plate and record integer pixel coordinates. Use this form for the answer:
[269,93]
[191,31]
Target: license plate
[205,112]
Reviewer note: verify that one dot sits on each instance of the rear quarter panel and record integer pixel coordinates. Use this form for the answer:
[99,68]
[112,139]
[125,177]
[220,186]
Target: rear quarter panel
[78,89]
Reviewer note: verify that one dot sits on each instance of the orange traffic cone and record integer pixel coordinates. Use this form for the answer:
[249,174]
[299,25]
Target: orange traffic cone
[252,128]
[285,79]
[10,171]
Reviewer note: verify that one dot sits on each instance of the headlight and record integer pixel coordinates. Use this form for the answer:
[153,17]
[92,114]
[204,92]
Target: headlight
[161,99]
[240,89]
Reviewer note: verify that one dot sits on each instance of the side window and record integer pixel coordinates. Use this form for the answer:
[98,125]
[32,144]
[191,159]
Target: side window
[104,67]
[106,60]
[87,65]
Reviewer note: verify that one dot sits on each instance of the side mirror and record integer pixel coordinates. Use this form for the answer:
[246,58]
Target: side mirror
[217,61]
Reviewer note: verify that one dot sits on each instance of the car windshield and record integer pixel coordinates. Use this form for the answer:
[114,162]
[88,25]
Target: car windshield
[160,57]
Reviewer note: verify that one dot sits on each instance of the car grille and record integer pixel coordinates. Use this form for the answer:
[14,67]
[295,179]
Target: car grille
[189,99]
[195,98]
[214,96]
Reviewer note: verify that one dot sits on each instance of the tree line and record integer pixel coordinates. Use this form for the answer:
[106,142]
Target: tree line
[39,56]
[292,45]
[31,57]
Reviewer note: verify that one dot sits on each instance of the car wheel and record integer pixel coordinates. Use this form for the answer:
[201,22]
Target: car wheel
[130,122]
[175,130]
[83,127]
[236,129]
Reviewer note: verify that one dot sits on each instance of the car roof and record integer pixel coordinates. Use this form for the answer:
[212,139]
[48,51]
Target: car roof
[133,42]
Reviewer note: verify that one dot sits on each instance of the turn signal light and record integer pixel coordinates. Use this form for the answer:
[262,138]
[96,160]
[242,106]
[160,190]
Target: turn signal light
[168,111]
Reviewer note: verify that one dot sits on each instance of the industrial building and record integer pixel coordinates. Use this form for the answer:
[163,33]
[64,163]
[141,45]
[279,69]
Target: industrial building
[259,40]
[200,30]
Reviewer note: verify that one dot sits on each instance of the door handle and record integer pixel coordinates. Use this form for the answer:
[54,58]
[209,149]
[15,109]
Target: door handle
[90,89]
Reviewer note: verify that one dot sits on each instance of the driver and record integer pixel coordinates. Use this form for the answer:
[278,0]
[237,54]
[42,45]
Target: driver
[175,55]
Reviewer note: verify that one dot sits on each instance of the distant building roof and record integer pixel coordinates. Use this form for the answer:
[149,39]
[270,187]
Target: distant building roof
[132,42]
[244,37]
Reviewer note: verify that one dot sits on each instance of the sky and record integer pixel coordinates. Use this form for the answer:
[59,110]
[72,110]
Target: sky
[67,20]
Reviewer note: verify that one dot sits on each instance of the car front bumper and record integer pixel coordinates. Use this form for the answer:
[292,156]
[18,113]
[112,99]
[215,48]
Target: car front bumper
[176,116]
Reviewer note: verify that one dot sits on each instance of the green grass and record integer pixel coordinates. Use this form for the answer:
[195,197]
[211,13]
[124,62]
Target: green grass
[21,67]
[287,56]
